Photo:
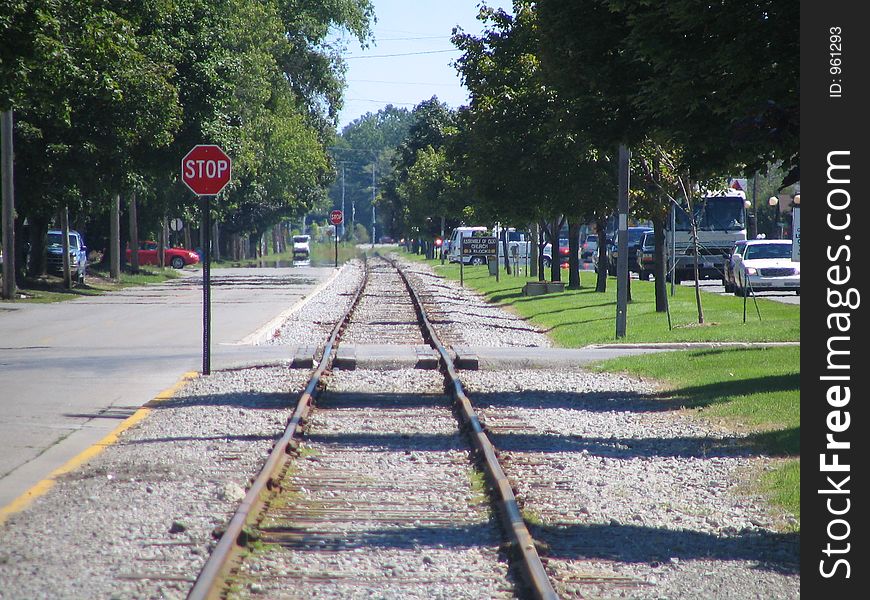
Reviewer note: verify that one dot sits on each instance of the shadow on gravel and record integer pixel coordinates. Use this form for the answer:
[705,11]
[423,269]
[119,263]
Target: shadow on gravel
[253,400]
[417,442]
[628,448]
[779,552]
[405,538]
[603,401]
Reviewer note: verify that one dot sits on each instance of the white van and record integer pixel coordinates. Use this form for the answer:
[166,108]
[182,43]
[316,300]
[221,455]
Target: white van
[454,249]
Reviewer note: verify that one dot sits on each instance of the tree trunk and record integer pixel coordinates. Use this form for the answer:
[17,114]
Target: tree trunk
[64,246]
[533,250]
[161,244]
[38,235]
[601,279]
[555,258]
[134,234]
[660,264]
[115,238]
[215,241]
[504,248]
[573,255]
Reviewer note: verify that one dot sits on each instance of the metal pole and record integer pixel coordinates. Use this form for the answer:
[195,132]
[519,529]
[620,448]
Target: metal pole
[373,203]
[206,286]
[343,232]
[622,244]
[673,246]
[8,194]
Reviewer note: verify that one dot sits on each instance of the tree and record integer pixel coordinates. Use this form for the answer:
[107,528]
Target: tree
[692,75]
[524,164]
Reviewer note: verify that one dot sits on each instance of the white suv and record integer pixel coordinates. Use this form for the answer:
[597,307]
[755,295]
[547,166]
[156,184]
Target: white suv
[301,245]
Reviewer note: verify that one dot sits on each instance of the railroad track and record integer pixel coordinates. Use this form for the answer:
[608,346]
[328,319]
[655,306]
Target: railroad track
[373,485]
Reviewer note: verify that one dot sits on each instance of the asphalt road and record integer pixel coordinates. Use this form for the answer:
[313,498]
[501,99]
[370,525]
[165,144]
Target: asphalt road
[715,286]
[71,371]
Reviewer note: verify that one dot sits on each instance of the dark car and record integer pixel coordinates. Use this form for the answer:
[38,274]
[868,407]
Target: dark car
[635,234]
[645,256]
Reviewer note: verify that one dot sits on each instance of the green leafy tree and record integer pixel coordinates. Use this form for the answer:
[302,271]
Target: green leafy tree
[525,166]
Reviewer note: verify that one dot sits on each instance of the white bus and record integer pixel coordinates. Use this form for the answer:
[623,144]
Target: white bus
[721,221]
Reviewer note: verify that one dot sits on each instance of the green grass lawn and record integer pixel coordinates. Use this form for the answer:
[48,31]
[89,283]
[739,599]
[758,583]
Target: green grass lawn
[575,318]
[755,391]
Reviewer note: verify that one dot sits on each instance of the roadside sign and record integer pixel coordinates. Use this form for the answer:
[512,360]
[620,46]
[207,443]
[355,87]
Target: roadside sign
[206,170]
[176,224]
[336,217]
[479,246]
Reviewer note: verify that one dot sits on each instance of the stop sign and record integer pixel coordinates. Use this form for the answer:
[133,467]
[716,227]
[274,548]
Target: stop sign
[336,217]
[206,170]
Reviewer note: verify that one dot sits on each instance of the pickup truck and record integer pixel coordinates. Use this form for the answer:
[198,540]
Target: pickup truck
[78,254]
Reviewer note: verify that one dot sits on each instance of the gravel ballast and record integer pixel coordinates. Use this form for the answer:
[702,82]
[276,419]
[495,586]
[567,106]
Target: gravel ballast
[629,499]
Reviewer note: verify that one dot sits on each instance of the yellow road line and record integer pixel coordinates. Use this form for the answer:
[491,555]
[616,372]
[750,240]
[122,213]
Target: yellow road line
[39,489]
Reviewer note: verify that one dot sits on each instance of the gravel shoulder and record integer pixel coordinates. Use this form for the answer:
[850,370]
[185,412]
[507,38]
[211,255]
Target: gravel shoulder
[629,500]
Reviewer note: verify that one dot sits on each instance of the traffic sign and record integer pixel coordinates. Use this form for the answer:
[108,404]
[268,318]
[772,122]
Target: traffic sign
[206,170]
[336,217]
[176,224]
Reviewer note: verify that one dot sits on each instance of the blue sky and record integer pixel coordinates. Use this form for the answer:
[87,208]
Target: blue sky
[420,30]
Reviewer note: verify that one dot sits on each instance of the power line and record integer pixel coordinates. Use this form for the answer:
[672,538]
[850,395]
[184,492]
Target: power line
[404,82]
[401,54]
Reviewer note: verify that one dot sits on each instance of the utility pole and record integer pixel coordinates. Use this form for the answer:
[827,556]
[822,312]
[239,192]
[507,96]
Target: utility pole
[342,200]
[373,202]
[8,195]
[622,244]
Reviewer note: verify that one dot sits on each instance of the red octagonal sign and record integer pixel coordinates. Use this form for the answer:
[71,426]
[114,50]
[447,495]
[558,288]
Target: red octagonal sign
[336,217]
[206,170]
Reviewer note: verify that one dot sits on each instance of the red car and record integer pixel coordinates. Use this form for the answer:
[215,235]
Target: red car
[178,258]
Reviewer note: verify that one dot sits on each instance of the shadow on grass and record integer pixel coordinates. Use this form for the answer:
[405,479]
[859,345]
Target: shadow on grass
[721,391]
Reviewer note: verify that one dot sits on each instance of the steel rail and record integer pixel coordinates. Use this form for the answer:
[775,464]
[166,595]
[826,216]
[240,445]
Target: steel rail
[235,537]
[521,540]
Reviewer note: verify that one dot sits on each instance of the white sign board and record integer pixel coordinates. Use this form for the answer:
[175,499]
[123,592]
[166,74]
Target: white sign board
[796,234]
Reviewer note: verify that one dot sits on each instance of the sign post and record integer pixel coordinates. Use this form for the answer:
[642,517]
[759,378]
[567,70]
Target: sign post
[206,170]
[476,246]
[336,217]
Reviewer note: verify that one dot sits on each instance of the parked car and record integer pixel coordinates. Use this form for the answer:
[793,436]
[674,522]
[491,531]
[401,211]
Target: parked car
[644,257]
[455,244]
[736,252]
[766,265]
[78,254]
[564,253]
[301,246]
[177,258]
[635,234]
[590,246]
